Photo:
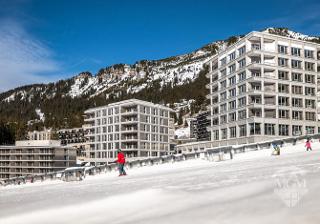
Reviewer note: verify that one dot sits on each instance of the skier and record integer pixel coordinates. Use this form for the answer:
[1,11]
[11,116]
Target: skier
[121,161]
[308,145]
[276,149]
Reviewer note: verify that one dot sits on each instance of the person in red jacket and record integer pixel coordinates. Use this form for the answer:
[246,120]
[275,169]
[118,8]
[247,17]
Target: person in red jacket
[121,161]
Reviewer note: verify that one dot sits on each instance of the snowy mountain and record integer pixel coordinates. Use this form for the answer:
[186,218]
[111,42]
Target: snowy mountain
[166,81]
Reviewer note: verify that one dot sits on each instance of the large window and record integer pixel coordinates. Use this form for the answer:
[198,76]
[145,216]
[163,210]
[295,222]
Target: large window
[284,114]
[232,105]
[309,91]
[283,75]
[224,133]
[295,51]
[310,116]
[242,76]
[242,88]
[232,92]
[296,64]
[297,115]
[309,66]
[223,119]
[232,56]
[283,101]
[297,90]
[297,102]
[242,130]
[309,78]
[296,77]
[283,62]
[308,54]
[232,117]
[242,114]
[242,63]
[255,129]
[242,101]
[282,49]
[216,135]
[223,61]
[283,130]
[233,132]
[310,130]
[232,80]
[242,50]
[296,130]
[232,68]
[269,129]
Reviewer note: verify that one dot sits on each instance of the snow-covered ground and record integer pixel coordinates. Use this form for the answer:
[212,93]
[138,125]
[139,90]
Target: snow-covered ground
[253,188]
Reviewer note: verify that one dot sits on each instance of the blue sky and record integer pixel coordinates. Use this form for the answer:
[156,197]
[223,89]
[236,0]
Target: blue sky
[42,41]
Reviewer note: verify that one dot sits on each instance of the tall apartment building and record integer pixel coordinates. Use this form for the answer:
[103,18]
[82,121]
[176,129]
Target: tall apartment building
[263,87]
[35,157]
[199,125]
[137,127]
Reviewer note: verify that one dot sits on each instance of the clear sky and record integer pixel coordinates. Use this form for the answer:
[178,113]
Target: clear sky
[46,40]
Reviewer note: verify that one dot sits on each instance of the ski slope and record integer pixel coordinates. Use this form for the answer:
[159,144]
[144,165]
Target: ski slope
[243,190]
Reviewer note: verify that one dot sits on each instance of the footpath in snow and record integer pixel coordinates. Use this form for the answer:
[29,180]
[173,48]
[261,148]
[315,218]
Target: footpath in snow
[253,188]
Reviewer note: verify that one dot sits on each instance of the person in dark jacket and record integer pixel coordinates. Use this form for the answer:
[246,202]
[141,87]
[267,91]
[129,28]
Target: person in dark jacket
[121,161]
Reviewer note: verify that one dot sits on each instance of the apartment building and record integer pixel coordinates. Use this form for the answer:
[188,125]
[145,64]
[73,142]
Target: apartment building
[199,125]
[46,134]
[263,87]
[35,157]
[139,128]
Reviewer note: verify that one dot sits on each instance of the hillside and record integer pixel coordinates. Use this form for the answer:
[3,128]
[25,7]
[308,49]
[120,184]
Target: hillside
[167,81]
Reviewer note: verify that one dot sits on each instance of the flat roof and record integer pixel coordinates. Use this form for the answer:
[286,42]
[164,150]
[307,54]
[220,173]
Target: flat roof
[133,100]
[268,34]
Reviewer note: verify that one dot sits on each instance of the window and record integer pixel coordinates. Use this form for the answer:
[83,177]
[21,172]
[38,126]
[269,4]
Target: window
[296,130]
[283,62]
[232,92]
[284,114]
[283,101]
[310,103]
[224,133]
[232,68]
[309,91]
[216,135]
[283,130]
[242,76]
[242,63]
[242,50]
[242,101]
[296,77]
[223,61]
[232,117]
[283,75]
[297,115]
[232,56]
[309,130]
[296,64]
[242,114]
[223,119]
[308,54]
[223,72]
[232,80]
[269,129]
[223,95]
[309,78]
[242,130]
[223,84]
[296,90]
[233,132]
[232,105]
[310,116]
[255,129]
[309,66]
[282,88]
[282,49]
[296,102]
[242,88]
[295,51]
[223,108]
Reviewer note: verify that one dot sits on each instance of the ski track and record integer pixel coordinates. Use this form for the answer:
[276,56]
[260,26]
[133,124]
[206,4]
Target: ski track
[193,191]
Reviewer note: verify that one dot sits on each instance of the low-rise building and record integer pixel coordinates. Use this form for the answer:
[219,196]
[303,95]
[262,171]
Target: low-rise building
[35,157]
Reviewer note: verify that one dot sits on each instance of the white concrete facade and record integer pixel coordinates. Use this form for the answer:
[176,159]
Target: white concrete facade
[263,87]
[139,128]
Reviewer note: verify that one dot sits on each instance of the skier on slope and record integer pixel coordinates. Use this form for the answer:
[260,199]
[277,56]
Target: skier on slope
[121,161]
[308,145]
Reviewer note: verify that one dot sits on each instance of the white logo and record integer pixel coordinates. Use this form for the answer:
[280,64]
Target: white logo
[291,185]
